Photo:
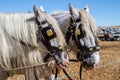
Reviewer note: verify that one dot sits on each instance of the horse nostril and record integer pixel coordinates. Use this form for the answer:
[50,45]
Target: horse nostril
[94,65]
[66,59]
[66,56]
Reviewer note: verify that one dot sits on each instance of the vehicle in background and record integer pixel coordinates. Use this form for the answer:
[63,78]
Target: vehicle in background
[109,35]
[116,36]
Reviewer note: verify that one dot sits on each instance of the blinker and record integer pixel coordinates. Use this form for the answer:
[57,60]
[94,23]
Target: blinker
[49,32]
[78,32]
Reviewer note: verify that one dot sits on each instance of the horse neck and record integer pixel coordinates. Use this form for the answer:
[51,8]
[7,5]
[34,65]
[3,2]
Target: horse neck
[63,21]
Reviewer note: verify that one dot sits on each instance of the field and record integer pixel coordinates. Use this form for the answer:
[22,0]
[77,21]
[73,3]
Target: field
[108,69]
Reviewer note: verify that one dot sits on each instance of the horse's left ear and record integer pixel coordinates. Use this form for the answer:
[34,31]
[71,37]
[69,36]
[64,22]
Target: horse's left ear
[86,8]
[35,11]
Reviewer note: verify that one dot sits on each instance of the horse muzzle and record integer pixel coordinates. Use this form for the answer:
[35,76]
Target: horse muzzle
[62,59]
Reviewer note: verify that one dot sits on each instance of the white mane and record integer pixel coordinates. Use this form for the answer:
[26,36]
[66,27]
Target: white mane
[88,22]
[13,29]
[19,47]
[19,26]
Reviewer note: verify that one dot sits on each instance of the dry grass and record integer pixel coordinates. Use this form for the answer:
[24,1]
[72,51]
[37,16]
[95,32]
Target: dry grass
[110,55]
[110,58]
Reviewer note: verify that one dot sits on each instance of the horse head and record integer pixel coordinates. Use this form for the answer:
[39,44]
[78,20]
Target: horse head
[84,34]
[52,37]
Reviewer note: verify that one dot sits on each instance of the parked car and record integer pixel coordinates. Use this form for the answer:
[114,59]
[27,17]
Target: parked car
[116,36]
[102,36]
[105,36]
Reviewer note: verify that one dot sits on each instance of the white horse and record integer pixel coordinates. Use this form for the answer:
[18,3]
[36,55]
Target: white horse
[80,31]
[26,39]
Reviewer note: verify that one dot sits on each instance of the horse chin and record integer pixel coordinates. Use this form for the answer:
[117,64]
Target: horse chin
[89,67]
[61,66]
[92,61]
[64,60]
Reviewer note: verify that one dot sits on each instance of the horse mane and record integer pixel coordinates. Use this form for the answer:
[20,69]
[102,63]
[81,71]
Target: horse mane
[89,22]
[15,26]
[14,29]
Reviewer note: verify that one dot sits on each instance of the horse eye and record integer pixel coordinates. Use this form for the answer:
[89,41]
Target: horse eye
[81,24]
[84,33]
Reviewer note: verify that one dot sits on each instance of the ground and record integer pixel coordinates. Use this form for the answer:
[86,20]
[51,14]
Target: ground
[108,69]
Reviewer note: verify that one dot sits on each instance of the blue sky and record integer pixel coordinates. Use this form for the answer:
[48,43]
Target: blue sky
[105,12]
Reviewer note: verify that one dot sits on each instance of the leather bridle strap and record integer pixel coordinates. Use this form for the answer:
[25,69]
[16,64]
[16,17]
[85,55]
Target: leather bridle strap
[67,74]
[46,37]
[56,74]
[81,71]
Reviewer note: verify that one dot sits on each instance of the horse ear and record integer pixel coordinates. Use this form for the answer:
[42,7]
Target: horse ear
[86,8]
[42,9]
[71,9]
[35,11]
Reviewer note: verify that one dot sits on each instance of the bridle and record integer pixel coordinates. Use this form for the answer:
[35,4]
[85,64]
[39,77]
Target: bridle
[77,33]
[48,33]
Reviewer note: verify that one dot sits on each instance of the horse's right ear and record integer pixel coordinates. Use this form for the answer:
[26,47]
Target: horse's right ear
[71,9]
[86,8]
[35,11]
[42,9]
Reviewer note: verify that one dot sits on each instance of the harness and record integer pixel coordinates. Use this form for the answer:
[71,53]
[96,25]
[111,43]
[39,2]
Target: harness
[77,33]
[48,33]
